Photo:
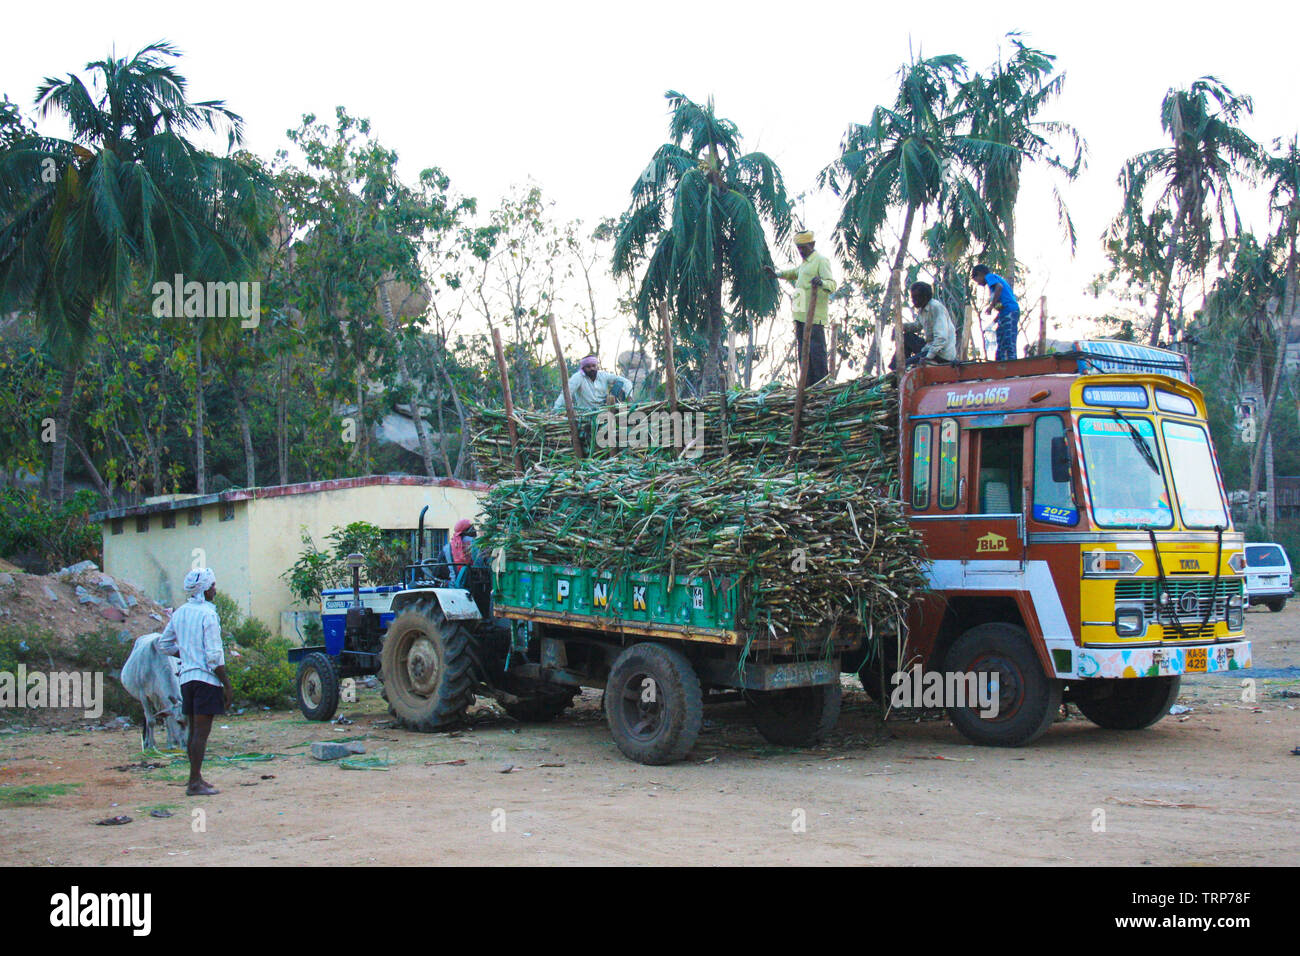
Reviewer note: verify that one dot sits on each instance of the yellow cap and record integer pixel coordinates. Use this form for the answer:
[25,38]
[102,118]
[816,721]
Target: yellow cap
[803,238]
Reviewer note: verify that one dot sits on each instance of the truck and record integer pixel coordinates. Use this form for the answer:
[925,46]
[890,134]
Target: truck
[1080,550]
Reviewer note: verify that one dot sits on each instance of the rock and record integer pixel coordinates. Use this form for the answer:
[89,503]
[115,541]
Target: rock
[49,593]
[155,616]
[77,568]
[131,601]
[115,598]
[106,582]
[113,614]
[124,637]
[6,579]
[328,750]
[85,597]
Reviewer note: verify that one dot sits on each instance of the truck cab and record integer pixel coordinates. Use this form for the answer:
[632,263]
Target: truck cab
[1080,544]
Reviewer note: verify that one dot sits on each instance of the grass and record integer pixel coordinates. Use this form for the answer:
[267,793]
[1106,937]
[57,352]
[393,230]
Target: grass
[27,795]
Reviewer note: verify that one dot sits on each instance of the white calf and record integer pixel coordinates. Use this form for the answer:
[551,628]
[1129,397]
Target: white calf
[153,679]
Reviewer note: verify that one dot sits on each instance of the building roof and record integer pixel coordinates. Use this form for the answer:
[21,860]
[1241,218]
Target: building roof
[278,491]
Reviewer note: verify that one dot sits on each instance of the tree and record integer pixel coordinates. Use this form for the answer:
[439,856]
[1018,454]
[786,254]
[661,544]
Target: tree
[129,195]
[1004,134]
[906,158]
[1193,178]
[696,220]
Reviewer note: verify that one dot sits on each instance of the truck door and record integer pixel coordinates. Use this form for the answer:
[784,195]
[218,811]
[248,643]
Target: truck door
[995,517]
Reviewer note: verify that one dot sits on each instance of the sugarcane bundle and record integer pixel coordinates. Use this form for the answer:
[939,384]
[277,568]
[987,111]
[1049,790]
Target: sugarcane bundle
[810,548]
[847,426]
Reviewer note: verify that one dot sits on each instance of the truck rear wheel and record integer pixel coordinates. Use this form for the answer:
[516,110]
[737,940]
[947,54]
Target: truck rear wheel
[428,668]
[653,704]
[318,687]
[1027,699]
[799,717]
[1132,703]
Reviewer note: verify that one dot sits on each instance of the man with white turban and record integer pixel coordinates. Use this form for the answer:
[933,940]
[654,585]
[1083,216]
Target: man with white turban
[194,635]
[589,387]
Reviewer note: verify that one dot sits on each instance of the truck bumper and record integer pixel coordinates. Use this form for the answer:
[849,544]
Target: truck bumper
[753,676]
[1165,661]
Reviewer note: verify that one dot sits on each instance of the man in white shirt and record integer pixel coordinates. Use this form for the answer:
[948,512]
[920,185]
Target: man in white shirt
[194,635]
[934,323]
[589,387]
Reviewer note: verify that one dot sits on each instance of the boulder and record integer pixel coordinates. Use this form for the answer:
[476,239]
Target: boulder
[328,750]
[85,597]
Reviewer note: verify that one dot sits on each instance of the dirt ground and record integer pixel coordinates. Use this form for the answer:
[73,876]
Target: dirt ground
[1214,786]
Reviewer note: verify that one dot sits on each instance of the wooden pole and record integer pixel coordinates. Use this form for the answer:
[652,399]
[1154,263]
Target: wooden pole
[1042,325]
[564,384]
[731,357]
[805,360]
[670,365]
[510,403]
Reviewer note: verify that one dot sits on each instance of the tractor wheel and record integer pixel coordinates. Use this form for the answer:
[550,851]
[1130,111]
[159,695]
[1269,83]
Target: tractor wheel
[318,687]
[653,704]
[1132,703]
[799,717]
[428,668]
[1028,700]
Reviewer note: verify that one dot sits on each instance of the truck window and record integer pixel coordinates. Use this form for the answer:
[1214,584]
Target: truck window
[1001,459]
[1053,500]
[921,466]
[949,448]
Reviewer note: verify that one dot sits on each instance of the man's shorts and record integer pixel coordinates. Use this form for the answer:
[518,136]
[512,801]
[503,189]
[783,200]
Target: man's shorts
[198,697]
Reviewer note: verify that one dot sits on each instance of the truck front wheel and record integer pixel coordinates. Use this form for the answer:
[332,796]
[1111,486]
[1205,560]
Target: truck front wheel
[1026,699]
[318,687]
[427,666]
[799,717]
[653,704]
[1132,703]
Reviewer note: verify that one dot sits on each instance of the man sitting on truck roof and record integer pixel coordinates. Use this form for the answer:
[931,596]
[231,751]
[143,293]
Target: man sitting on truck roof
[590,387]
[934,323]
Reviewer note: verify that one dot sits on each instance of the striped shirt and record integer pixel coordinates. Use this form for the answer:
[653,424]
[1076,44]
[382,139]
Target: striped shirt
[194,635]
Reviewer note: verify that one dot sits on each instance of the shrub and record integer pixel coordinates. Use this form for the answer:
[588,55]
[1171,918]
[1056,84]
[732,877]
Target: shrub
[43,535]
[24,644]
[316,570]
[262,673]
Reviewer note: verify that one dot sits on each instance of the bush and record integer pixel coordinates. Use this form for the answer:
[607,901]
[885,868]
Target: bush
[102,650]
[24,644]
[315,570]
[262,673]
[43,536]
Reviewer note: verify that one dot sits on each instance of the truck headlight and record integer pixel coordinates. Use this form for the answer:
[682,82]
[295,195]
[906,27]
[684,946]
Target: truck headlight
[1235,615]
[1237,562]
[1130,622]
[1105,563]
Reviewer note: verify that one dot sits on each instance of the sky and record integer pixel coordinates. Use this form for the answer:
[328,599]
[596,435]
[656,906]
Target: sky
[571,94]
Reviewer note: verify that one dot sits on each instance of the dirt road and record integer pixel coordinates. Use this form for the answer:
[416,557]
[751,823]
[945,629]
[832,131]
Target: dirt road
[1214,786]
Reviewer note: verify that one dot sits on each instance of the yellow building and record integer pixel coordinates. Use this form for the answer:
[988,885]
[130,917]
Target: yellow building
[250,537]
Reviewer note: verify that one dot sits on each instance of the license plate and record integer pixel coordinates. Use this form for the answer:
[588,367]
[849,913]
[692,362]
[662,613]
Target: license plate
[1196,660]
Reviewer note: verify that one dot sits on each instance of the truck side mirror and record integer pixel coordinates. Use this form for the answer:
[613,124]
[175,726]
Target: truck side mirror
[1060,460]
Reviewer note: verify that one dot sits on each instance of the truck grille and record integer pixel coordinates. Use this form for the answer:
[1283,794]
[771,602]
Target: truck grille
[1144,592]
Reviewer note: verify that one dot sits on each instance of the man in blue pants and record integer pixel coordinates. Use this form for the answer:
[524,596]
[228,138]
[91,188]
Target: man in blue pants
[1003,301]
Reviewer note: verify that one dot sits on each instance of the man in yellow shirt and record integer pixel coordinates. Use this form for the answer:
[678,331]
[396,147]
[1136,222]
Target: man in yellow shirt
[811,278]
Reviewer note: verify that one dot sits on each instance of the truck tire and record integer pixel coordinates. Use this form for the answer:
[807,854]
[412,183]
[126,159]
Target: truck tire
[428,668]
[1275,604]
[653,704]
[799,717]
[318,687]
[1132,703]
[1028,700]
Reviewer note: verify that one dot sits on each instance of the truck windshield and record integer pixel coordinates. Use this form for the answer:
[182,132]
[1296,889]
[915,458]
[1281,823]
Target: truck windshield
[1195,479]
[1125,479]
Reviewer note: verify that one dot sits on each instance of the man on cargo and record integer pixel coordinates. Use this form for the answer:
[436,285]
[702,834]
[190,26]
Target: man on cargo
[1003,301]
[933,327]
[194,635]
[590,387]
[813,283]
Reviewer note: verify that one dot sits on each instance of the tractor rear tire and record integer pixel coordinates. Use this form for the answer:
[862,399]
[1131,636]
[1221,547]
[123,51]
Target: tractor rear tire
[799,717]
[1028,700]
[653,704]
[318,687]
[1130,703]
[428,668]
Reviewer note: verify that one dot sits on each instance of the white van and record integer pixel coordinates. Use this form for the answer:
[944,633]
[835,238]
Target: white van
[1268,575]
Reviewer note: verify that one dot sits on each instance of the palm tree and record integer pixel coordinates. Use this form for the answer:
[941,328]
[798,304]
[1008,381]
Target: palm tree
[127,197]
[1005,134]
[1194,177]
[906,157]
[702,204]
